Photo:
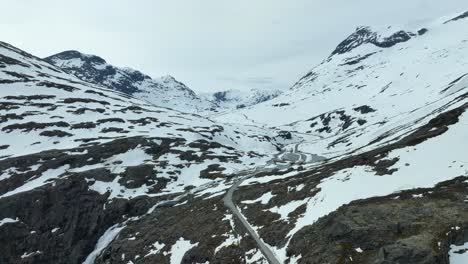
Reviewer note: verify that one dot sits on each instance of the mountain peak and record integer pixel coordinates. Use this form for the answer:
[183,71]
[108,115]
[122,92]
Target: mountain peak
[364,35]
[163,91]
[168,78]
[74,54]
[459,17]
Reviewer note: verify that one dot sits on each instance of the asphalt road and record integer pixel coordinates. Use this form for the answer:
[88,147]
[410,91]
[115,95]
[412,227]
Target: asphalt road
[293,156]
[269,255]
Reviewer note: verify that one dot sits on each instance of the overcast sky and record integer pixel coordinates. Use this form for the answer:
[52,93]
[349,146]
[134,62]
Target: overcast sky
[207,44]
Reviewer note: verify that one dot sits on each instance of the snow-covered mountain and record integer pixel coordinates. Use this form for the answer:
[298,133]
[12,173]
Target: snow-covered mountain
[387,107]
[236,99]
[363,160]
[84,156]
[375,80]
[164,91]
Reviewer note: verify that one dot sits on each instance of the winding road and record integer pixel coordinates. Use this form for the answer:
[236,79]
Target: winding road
[266,251]
[294,156]
[290,157]
[287,159]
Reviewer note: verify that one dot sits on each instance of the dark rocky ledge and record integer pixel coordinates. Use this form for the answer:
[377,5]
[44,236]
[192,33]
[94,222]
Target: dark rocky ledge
[364,35]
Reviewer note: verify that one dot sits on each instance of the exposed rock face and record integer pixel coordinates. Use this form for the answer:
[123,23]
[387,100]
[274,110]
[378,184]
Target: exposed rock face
[412,227]
[167,225]
[94,69]
[364,35]
[59,224]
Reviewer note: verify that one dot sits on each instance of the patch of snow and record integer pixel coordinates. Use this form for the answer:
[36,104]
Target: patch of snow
[103,242]
[179,249]
[156,248]
[288,208]
[8,173]
[130,158]
[118,191]
[264,199]
[38,181]
[255,256]
[27,255]
[230,240]
[5,221]
[458,254]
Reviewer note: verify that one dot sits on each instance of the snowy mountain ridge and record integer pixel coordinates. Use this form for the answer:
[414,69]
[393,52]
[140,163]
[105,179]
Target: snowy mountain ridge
[383,38]
[165,91]
[374,102]
[365,84]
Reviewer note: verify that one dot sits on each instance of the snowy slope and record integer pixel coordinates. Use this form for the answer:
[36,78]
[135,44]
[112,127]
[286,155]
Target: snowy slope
[375,81]
[101,153]
[165,91]
[390,111]
[44,108]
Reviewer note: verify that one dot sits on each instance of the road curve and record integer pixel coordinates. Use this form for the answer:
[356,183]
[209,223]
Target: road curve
[294,155]
[269,255]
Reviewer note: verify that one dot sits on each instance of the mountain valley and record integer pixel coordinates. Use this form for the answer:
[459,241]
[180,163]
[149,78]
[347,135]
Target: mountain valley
[362,160]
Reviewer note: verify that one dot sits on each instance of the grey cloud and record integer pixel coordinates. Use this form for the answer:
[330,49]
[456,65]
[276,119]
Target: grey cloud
[196,41]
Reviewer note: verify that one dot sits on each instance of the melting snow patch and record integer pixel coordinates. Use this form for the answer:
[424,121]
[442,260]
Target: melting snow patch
[27,255]
[8,221]
[231,240]
[231,220]
[8,173]
[300,187]
[264,199]
[459,254]
[179,249]
[267,179]
[255,256]
[39,181]
[286,209]
[218,189]
[117,190]
[103,242]
[130,158]
[156,248]
[294,259]
[189,175]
